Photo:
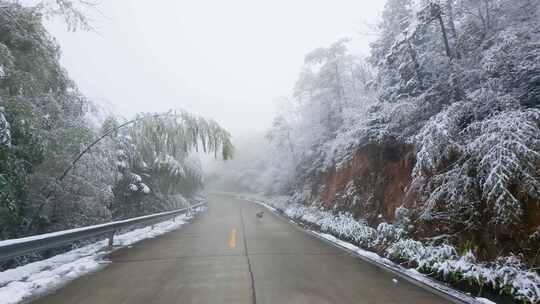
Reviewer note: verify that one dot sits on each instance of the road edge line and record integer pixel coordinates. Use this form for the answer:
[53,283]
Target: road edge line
[462,299]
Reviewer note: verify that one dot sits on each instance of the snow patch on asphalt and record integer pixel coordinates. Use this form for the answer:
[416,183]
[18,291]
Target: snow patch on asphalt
[40,277]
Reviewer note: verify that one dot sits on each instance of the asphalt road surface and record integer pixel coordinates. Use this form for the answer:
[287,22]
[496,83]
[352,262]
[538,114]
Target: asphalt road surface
[227,255]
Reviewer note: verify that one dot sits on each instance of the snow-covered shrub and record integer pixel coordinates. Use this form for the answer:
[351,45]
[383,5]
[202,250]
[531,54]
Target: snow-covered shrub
[446,193]
[136,183]
[295,211]
[423,257]
[437,255]
[492,157]
[342,225]
[402,218]
[451,195]
[345,226]
[508,274]
[535,236]
[5,136]
[437,141]
[407,250]
[512,278]
[464,266]
[507,149]
[388,233]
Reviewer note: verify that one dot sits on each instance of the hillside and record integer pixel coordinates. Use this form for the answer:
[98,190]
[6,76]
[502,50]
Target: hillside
[67,163]
[440,123]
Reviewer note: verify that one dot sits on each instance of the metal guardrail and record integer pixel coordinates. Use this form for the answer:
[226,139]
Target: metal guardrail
[17,247]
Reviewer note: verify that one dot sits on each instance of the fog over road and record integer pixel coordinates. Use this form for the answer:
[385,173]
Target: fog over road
[227,255]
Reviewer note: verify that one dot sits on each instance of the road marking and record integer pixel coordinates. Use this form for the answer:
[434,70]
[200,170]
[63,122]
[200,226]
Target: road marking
[232,239]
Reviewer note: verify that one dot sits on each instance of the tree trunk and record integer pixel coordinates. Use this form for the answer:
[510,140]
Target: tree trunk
[412,53]
[445,37]
[452,27]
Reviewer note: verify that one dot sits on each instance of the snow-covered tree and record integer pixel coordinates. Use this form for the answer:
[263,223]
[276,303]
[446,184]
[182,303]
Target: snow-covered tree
[456,79]
[155,156]
[45,122]
[482,149]
[5,134]
[46,116]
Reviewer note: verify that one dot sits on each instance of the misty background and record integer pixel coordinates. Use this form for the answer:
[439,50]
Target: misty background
[228,61]
[418,139]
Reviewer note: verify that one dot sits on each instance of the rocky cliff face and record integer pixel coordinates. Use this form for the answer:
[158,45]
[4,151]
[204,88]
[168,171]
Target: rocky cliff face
[376,181]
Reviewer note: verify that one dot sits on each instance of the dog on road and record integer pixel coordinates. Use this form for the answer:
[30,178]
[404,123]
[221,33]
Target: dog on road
[259,215]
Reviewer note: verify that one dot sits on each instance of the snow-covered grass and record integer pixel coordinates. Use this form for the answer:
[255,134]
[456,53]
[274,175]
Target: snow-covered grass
[37,278]
[412,273]
[507,275]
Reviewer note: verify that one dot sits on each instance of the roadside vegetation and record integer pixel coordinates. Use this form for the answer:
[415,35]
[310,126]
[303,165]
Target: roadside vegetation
[426,150]
[126,167]
[440,120]
[507,275]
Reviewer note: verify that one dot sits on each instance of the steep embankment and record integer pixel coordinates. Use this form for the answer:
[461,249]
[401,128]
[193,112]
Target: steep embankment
[376,181]
[373,184]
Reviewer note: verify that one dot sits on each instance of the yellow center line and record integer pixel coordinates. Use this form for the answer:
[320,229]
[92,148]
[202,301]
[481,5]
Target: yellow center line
[232,239]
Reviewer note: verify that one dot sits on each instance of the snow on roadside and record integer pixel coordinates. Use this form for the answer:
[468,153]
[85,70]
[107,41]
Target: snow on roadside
[40,277]
[507,274]
[485,301]
[413,273]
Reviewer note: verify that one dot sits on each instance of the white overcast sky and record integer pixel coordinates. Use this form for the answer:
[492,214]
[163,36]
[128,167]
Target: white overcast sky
[228,60]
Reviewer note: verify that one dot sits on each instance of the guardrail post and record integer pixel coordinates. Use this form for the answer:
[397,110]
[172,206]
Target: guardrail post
[111,240]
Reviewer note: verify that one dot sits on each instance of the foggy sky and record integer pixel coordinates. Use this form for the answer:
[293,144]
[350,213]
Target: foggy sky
[228,60]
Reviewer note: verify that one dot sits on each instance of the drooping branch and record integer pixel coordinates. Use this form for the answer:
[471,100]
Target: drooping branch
[208,133]
[92,144]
